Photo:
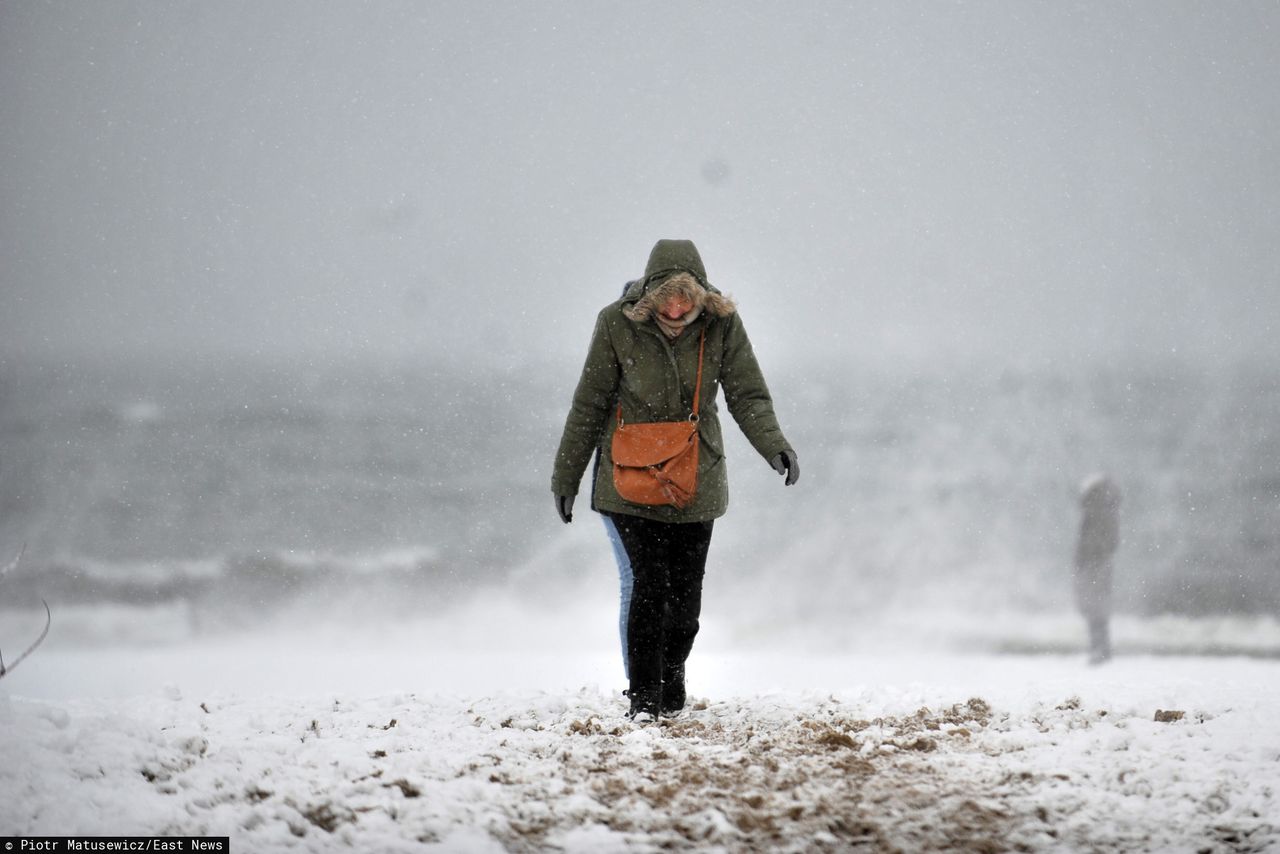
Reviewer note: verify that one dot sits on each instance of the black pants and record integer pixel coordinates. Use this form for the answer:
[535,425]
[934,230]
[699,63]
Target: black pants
[668,561]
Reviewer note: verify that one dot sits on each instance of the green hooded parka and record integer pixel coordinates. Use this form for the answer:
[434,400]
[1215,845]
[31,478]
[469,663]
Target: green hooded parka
[633,364]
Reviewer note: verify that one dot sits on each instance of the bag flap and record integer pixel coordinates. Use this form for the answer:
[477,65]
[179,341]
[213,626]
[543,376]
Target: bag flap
[653,443]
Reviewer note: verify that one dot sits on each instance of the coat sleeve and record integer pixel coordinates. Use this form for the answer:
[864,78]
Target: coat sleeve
[747,395]
[592,402]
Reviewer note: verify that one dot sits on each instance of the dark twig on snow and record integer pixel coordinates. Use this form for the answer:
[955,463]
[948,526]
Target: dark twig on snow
[48,620]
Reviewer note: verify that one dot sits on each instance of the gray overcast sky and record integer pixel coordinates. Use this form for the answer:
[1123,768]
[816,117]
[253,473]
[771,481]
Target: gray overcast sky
[901,180]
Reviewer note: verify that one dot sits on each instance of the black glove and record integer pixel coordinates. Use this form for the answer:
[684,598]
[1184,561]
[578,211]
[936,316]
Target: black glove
[786,463]
[564,506]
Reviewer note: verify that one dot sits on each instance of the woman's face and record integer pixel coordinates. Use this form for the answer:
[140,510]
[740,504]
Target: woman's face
[676,307]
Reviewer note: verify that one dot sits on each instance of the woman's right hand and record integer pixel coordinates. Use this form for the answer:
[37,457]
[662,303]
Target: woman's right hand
[786,463]
[564,506]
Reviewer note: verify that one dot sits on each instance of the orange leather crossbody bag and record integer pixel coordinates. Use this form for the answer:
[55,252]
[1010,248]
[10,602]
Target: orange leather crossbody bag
[656,462]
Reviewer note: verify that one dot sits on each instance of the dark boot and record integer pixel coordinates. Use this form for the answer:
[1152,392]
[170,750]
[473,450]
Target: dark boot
[645,705]
[673,697]
[644,702]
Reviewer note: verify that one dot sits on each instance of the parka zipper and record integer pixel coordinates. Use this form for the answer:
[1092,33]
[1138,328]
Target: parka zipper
[669,346]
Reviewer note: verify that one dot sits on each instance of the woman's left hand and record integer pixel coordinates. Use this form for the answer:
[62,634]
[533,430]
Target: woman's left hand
[786,463]
[564,506]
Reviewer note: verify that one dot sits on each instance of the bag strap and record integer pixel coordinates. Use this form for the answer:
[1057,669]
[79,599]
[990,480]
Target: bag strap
[694,416]
[697,388]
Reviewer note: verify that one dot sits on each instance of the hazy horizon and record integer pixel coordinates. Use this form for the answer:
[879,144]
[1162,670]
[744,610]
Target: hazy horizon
[296,278]
[922,181]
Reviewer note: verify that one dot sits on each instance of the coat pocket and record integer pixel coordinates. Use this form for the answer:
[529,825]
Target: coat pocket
[709,431]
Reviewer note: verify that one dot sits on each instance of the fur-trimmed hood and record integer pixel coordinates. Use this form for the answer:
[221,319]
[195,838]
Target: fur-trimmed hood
[645,296]
[674,268]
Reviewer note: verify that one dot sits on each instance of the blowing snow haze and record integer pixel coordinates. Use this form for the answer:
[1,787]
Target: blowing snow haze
[295,295]
[917,181]
[293,298]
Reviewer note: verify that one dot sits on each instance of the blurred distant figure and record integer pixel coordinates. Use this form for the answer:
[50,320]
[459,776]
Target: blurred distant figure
[1099,539]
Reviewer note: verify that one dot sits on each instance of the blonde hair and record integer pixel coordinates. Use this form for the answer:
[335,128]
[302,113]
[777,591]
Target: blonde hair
[680,284]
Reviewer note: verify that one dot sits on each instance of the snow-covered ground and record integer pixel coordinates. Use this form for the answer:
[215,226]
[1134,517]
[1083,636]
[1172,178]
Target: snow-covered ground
[475,734]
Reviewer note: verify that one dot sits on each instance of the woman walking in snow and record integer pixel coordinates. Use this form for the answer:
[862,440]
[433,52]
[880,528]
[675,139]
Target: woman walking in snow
[657,359]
